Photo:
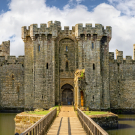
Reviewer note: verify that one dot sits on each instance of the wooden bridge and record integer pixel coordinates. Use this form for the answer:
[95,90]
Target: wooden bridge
[67,123]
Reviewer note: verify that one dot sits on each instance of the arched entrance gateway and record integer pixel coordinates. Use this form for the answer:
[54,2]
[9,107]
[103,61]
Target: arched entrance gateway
[67,94]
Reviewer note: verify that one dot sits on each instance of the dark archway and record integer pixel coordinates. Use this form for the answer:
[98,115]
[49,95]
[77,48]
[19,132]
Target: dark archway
[67,94]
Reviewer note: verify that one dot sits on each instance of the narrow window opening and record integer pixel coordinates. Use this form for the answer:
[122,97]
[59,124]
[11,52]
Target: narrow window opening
[18,89]
[32,70]
[92,45]
[88,36]
[94,36]
[42,96]
[66,65]
[93,66]
[39,48]
[82,36]
[118,66]
[93,97]
[12,77]
[66,48]
[49,37]
[47,66]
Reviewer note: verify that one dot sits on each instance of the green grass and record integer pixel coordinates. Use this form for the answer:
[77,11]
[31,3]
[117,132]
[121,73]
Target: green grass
[94,112]
[43,112]
[38,112]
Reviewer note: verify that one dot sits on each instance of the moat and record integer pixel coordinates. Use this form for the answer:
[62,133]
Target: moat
[126,125]
[7,124]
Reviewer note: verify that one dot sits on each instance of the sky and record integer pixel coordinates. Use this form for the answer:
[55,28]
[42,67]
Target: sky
[119,14]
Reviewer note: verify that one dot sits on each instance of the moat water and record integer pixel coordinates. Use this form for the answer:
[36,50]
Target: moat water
[126,125]
[7,124]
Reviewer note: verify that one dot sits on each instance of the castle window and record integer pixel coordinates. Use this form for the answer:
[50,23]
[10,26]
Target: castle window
[47,66]
[94,36]
[12,77]
[92,45]
[93,66]
[42,96]
[18,88]
[39,48]
[66,49]
[88,36]
[118,66]
[82,36]
[66,65]
[93,98]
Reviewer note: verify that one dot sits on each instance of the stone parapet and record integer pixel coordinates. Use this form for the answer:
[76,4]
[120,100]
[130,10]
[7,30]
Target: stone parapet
[11,60]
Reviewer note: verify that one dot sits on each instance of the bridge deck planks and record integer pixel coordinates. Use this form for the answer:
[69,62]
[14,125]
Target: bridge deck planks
[75,125]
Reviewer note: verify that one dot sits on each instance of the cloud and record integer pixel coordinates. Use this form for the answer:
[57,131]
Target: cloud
[126,7]
[24,13]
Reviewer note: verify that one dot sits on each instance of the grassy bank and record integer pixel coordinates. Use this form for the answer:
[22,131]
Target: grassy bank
[95,112]
[43,112]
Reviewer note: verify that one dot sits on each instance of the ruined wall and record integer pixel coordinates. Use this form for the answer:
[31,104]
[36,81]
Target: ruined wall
[122,81]
[12,82]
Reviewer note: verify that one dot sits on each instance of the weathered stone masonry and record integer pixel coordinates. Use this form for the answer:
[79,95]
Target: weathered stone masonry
[45,76]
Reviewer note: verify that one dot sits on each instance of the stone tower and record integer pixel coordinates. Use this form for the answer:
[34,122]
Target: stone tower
[93,56]
[40,64]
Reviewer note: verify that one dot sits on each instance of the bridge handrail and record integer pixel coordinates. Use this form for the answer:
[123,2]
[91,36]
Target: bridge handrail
[89,125]
[41,126]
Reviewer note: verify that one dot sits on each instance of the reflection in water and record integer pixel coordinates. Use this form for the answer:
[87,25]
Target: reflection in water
[7,124]
[126,126]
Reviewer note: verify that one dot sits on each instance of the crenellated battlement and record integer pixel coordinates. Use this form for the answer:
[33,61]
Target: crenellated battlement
[89,30]
[119,58]
[11,60]
[55,29]
[33,30]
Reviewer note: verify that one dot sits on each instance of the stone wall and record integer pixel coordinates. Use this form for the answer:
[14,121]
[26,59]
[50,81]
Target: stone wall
[12,82]
[122,82]
[107,121]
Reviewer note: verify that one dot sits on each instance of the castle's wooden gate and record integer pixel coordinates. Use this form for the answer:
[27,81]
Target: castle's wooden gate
[67,94]
[67,97]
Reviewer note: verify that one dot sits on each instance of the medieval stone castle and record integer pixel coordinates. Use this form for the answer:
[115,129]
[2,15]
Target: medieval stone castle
[66,66]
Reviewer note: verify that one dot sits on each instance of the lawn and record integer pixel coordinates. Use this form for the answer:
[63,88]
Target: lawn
[41,112]
[95,112]
[38,112]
